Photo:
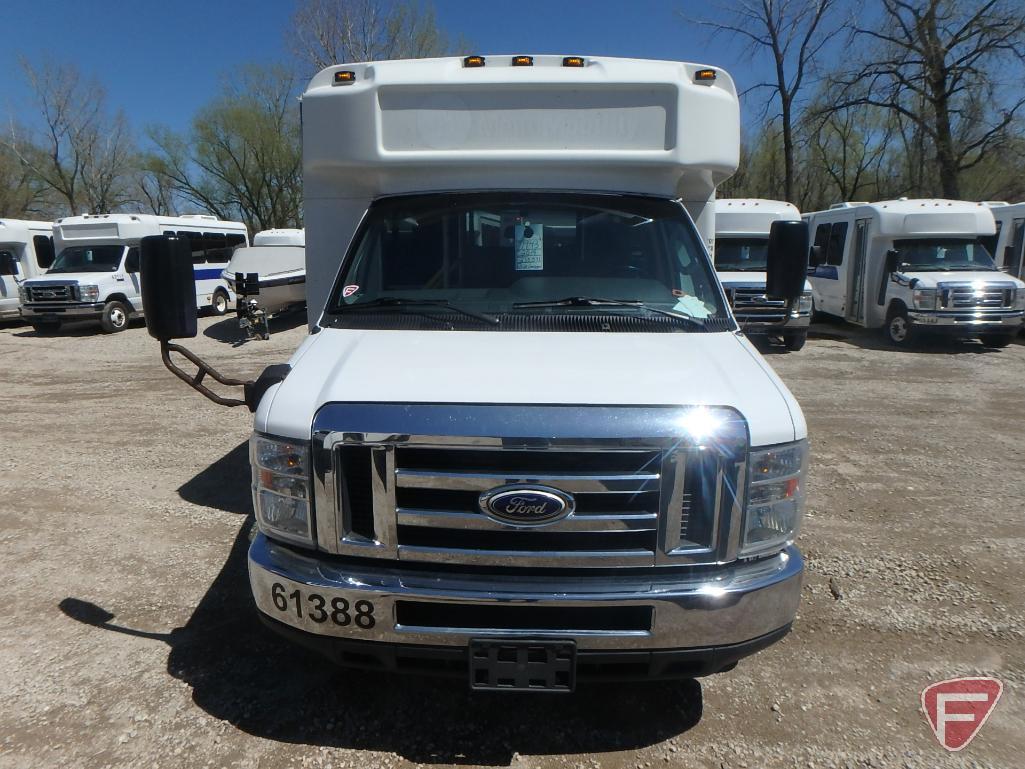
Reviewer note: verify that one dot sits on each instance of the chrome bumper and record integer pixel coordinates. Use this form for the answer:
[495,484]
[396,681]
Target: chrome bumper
[793,323]
[706,607]
[83,311]
[975,321]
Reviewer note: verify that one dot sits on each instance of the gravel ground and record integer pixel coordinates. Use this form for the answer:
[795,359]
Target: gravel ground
[128,637]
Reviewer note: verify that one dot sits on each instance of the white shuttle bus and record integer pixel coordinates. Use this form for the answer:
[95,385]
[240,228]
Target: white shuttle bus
[95,275]
[914,266]
[26,250]
[525,442]
[1009,248]
[741,245]
[278,259]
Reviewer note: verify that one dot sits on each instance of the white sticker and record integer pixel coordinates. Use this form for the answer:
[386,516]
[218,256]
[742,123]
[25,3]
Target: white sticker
[530,246]
[692,306]
[349,291]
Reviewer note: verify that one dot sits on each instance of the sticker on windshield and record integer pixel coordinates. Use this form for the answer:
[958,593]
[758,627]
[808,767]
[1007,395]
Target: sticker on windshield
[349,291]
[530,247]
[692,306]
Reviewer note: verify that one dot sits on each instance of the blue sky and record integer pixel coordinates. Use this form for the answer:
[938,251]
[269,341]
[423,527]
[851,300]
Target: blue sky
[161,65]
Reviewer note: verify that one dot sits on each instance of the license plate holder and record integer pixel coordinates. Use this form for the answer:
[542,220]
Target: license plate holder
[523,665]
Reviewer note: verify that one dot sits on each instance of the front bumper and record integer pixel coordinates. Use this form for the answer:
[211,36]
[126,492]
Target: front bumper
[63,311]
[751,325]
[701,610]
[968,323]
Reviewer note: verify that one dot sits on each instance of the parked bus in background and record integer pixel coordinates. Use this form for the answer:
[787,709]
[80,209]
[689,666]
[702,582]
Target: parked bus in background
[741,245]
[913,266]
[95,275]
[1009,248]
[26,250]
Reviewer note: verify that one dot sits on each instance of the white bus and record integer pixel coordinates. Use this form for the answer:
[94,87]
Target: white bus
[741,245]
[913,266]
[26,250]
[525,442]
[1009,245]
[95,275]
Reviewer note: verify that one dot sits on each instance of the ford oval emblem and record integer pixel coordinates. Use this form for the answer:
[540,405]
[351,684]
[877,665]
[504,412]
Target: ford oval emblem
[526,505]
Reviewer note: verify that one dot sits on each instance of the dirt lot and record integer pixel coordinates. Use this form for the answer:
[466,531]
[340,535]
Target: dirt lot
[128,637]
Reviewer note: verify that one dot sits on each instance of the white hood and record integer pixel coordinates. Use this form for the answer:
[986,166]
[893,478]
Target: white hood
[720,369]
[932,279]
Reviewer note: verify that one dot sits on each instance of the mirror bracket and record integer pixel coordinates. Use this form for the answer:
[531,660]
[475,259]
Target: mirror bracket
[195,381]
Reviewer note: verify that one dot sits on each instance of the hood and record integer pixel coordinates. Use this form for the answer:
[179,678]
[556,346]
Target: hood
[728,278]
[932,279]
[720,369]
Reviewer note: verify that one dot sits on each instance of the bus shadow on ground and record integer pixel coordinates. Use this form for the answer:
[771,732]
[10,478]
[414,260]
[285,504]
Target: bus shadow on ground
[242,673]
[228,331]
[873,339]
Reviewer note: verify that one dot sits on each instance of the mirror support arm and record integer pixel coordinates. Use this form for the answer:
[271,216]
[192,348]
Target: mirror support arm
[195,381]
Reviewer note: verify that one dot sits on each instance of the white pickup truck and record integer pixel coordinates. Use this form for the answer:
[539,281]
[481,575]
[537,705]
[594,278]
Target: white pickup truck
[525,442]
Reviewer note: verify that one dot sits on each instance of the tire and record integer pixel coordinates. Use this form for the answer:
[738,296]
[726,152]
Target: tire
[996,340]
[115,317]
[794,342]
[899,330]
[47,327]
[219,303]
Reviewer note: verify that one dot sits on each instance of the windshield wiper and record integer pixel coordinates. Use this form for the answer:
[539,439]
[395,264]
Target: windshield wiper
[731,268]
[591,301]
[401,301]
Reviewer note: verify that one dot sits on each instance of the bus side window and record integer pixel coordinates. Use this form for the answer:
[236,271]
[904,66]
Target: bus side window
[198,244]
[837,241]
[44,251]
[216,247]
[234,241]
[132,260]
[822,241]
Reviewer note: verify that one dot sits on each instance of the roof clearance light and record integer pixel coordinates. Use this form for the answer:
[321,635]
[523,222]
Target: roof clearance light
[573,61]
[345,76]
[473,61]
[523,61]
[704,76]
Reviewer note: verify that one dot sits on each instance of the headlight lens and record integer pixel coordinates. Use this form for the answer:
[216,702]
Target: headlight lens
[22,294]
[1019,299]
[804,303]
[281,488]
[775,500]
[925,298]
[88,293]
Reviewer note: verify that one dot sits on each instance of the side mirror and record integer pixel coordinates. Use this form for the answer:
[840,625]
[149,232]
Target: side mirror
[892,261]
[787,260]
[168,287]
[8,263]
[815,256]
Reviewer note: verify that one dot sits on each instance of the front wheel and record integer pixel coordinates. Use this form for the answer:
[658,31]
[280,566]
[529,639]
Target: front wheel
[794,342]
[899,330]
[115,317]
[996,340]
[219,303]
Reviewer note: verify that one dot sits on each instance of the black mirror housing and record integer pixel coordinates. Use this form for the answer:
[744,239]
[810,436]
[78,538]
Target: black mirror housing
[892,261]
[168,287]
[787,260]
[815,256]
[8,264]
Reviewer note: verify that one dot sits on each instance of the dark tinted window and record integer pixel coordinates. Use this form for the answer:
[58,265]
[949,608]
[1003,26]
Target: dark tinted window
[198,244]
[234,241]
[8,262]
[837,240]
[132,260]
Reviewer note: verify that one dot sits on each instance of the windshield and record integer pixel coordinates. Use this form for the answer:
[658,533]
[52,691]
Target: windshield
[741,254]
[88,259]
[943,254]
[511,256]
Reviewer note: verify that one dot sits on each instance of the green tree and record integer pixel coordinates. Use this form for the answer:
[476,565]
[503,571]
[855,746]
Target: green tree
[242,157]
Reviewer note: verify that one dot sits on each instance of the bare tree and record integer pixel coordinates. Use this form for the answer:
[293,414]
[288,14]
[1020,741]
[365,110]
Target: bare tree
[848,146]
[327,32]
[22,195]
[940,65]
[80,152]
[793,34]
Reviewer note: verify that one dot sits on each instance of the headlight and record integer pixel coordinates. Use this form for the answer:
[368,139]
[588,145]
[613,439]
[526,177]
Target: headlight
[22,294]
[1019,299]
[804,303]
[281,488]
[88,293]
[775,500]
[925,298]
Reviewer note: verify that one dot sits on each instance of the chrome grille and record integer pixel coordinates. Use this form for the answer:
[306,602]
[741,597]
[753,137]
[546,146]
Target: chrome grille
[965,296]
[59,293]
[750,305]
[638,501]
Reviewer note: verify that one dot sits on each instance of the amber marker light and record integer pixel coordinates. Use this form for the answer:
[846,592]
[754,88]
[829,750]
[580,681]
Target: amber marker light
[473,61]
[704,76]
[345,76]
[523,61]
[573,61]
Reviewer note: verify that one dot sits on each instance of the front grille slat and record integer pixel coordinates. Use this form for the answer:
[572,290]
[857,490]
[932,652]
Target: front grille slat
[965,296]
[49,293]
[576,483]
[750,304]
[461,520]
